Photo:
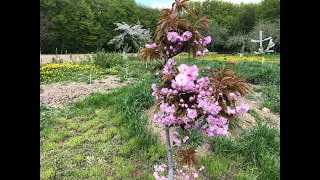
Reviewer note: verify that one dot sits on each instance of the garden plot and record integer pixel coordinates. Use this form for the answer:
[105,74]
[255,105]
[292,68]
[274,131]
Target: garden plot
[58,93]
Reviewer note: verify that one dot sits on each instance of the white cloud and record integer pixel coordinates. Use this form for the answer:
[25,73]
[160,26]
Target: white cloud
[161,5]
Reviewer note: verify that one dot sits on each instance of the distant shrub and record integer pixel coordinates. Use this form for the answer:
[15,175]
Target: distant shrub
[108,60]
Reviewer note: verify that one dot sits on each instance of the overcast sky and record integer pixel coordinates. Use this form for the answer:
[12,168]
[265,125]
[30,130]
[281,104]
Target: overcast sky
[167,3]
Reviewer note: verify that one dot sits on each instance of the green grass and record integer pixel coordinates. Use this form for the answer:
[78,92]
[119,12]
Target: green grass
[254,154]
[99,136]
[256,116]
[252,72]
[271,98]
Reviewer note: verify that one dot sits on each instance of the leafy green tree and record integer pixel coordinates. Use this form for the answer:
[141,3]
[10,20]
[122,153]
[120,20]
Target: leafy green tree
[246,19]
[219,35]
[268,10]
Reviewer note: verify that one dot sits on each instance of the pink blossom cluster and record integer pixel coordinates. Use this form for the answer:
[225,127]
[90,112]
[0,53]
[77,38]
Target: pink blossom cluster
[152,46]
[174,48]
[200,97]
[192,175]
[174,36]
[177,43]
[217,125]
[167,68]
[158,169]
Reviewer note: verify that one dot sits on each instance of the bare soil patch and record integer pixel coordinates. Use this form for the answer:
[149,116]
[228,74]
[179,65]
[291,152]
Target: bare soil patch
[47,58]
[60,93]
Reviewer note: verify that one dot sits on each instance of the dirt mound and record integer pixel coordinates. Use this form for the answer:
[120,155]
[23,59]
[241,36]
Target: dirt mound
[59,93]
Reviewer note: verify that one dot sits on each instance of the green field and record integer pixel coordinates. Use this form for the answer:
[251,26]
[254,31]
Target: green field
[104,136]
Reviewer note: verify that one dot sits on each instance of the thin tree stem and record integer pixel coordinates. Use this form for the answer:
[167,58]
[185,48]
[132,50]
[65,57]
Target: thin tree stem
[170,173]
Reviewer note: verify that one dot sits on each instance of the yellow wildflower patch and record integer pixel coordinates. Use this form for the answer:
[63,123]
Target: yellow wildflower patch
[224,57]
[55,72]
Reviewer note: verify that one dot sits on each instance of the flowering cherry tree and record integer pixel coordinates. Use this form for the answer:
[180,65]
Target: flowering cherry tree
[186,102]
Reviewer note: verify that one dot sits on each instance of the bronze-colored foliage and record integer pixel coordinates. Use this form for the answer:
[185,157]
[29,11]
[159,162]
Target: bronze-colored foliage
[225,81]
[187,156]
[170,21]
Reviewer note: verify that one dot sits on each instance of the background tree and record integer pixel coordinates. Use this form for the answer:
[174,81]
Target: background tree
[131,38]
[82,26]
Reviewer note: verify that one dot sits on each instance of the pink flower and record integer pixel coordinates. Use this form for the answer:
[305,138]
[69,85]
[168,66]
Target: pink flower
[195,175]
[187,126]
[154,45]
[230,111]
[192,113]
[191,98]
[172,36]
[155,175]
[177,141]
[179,39]
[175,133]
[164,91]
[174,92]
[205,51]
[185,139]
[208,67]
[243,108]
[173,84]
[160,168]
[157,73]
[211,134]
[171,62]
[187,177]
[192,72]
[198,53]
[183,68]
[154,87]
[186,35]
[207,40]
[232,95]
[221,131]
[181,80]
[179,46]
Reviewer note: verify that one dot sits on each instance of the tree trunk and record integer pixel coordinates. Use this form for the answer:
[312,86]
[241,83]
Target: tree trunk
[170,169]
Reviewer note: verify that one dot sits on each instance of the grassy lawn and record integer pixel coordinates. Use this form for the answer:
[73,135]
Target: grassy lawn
[104,136]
